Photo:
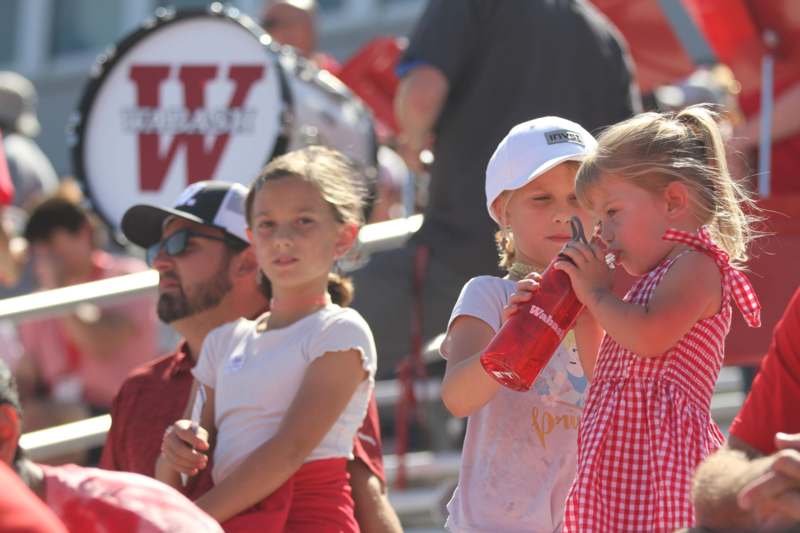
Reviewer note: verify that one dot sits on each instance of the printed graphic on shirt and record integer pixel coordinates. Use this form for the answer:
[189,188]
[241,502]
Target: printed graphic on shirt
[562,384]
[234,363]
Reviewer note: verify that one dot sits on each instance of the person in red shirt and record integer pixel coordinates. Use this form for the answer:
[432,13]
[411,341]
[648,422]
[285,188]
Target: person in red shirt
[90,500]
[83,355]
[757,476]
[21,511]
[771,406]
[209,279]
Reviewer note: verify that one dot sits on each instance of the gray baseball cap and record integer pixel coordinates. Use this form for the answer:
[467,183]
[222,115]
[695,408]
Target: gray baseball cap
[18,104]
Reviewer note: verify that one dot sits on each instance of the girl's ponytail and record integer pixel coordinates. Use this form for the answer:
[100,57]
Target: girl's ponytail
[727,199]
[341,289]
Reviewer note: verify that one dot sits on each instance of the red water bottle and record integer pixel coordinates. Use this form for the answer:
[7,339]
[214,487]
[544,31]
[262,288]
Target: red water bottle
[526,342]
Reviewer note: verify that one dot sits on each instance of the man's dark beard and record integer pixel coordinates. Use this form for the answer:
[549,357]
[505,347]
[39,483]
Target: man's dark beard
[174,306]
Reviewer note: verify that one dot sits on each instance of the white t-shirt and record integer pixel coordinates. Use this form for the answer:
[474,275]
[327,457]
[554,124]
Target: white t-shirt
[256,376]
[519,454]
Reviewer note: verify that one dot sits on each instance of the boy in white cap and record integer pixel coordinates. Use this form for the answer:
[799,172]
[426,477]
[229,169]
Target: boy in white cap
[518,459]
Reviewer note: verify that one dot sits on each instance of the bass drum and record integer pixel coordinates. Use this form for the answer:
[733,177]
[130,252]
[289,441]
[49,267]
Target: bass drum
[200,95]
[325,111]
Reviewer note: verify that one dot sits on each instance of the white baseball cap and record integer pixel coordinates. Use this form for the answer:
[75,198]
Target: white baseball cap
[18,104]
[532,148]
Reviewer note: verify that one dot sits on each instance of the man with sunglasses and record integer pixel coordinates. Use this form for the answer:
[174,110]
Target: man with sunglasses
[208,277]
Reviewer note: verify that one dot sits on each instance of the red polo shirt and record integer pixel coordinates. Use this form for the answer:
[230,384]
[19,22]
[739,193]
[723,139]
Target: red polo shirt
[772,403]
[151,399]
[155,395]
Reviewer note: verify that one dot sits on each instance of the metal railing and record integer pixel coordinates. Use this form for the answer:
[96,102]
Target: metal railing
[372,238]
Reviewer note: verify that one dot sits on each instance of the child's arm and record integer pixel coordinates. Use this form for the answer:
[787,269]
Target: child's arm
[328,385]
[690,291]
[588,336]
[466,386]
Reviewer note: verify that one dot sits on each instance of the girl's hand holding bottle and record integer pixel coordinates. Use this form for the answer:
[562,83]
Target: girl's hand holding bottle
[183,448]
[589,334]
[589,271]
[526,288]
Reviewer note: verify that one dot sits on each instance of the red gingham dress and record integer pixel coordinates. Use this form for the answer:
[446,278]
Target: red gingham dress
[647,422]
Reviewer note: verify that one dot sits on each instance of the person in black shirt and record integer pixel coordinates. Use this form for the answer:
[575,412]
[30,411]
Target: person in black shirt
[472,70]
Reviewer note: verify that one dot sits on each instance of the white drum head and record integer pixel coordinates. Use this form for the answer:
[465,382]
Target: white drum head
[186,98]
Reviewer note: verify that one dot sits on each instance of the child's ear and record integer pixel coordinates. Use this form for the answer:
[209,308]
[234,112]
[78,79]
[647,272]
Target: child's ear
[676,196]
[498,208]
[348,233]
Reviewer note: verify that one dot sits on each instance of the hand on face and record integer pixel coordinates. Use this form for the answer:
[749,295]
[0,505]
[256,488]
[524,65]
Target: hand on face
[774,497]
[588,270]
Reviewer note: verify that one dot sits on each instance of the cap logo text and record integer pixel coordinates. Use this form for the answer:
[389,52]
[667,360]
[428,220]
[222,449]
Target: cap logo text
[563,136]
[187,197]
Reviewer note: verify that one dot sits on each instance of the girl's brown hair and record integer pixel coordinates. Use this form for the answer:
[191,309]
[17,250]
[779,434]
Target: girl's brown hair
[341,185]
[655,149]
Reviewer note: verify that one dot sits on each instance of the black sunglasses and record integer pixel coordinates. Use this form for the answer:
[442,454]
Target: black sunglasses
[176,243]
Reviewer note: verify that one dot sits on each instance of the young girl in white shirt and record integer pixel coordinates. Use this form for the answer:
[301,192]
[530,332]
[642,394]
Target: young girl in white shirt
[519,454]
[286,393]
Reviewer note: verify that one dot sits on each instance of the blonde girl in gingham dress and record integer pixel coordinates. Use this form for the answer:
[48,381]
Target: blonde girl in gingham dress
[669,212]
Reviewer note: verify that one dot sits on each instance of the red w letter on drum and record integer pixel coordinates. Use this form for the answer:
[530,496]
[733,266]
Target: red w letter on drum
[201,162]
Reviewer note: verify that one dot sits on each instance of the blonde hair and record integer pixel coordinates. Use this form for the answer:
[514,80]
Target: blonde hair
[338,180]
[653,150]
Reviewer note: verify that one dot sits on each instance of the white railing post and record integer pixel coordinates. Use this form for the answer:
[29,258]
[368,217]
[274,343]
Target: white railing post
[767,100]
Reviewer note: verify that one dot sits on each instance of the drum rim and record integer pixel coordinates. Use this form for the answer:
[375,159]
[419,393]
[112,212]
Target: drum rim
[107,60]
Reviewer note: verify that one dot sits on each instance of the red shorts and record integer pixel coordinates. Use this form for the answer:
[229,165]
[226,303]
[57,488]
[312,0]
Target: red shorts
[367,446]
[316,499]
